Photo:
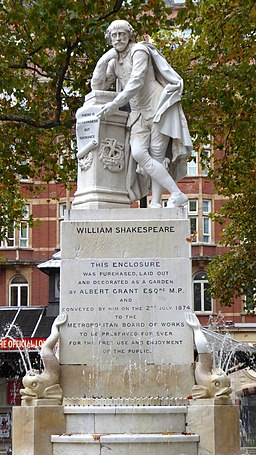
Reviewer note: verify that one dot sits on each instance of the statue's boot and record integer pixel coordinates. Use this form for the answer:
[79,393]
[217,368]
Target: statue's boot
[157,191]
[161,176]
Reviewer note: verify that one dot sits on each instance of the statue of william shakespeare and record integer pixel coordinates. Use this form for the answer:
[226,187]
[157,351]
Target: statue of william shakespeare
[159,137]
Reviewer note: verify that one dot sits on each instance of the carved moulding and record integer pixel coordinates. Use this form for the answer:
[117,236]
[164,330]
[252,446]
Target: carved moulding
[85,156]
[86,162]
[111,153]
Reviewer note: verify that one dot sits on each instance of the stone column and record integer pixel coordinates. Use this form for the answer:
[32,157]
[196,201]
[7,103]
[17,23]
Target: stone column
[217,423]
[102,155]
[33,427]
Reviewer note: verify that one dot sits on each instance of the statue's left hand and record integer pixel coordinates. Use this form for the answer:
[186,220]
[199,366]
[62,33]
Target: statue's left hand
[61,319]
[108,109]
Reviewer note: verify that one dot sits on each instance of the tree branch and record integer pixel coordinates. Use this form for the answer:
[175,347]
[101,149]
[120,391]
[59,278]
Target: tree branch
[62,74]
[34,69]
[118,5]
[59,87]
[29,121]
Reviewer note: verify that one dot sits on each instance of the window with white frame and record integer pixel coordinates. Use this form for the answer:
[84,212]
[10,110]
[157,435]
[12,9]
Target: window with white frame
[24,229]
[24,165]
[192,164]
[202,297]
[18,237]
[193,216]
[250,303]
[200,222]
[9,241]
[205,159]
[18,291]
[62,209]
[206,210]
[199,162]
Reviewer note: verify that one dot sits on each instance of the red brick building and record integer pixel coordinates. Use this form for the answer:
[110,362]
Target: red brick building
[29,298]
[23,284]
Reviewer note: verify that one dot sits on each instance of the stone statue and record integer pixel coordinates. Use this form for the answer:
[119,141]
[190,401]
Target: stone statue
[210,382]
[45,385]
[159,136]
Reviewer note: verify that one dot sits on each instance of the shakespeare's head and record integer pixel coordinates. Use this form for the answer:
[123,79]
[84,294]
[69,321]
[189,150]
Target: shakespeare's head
[119,26]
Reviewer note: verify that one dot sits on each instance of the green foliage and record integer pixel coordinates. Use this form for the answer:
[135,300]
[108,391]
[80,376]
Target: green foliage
[48,52]
[218,66]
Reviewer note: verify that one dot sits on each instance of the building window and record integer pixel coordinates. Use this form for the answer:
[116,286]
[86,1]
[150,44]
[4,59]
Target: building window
[24,166]
[200,223]
[205,159]
[24,229]
[202,297]
[192,165]
[18,237]
[9,241]
[193,216]
[250,303]
[199,162]
[62,209]
[206,221]
[18,291]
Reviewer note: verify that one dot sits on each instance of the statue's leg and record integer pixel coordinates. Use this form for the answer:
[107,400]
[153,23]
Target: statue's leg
[158,147]
[157,191]
[148,150]
[157,150]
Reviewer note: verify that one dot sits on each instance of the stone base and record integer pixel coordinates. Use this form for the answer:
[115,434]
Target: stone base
[125,430]
[200,428]
[217,426]
[142,444]
[121,381]
[33,427]
[100,198]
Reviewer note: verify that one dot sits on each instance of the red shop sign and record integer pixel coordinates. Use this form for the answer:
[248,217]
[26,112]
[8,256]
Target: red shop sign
[15,344]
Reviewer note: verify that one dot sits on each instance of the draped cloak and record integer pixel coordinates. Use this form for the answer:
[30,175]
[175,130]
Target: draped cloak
[171,122]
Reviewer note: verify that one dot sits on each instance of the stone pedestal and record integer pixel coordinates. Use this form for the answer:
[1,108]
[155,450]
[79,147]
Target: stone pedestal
[33,427]
[217,423]
[125,349]
[102,155]
[125,430]
[125,285]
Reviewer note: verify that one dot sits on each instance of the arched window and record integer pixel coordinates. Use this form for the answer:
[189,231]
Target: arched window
[202,298]
[18,291]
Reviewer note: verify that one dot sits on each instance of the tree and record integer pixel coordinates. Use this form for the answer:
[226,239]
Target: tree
[48,52]
[213,48]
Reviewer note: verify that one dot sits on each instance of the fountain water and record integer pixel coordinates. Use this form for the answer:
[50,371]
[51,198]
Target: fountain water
[228,353]
[232,356]
[13,332]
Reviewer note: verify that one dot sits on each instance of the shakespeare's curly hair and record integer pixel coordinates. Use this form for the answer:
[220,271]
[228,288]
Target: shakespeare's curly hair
[119,24]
